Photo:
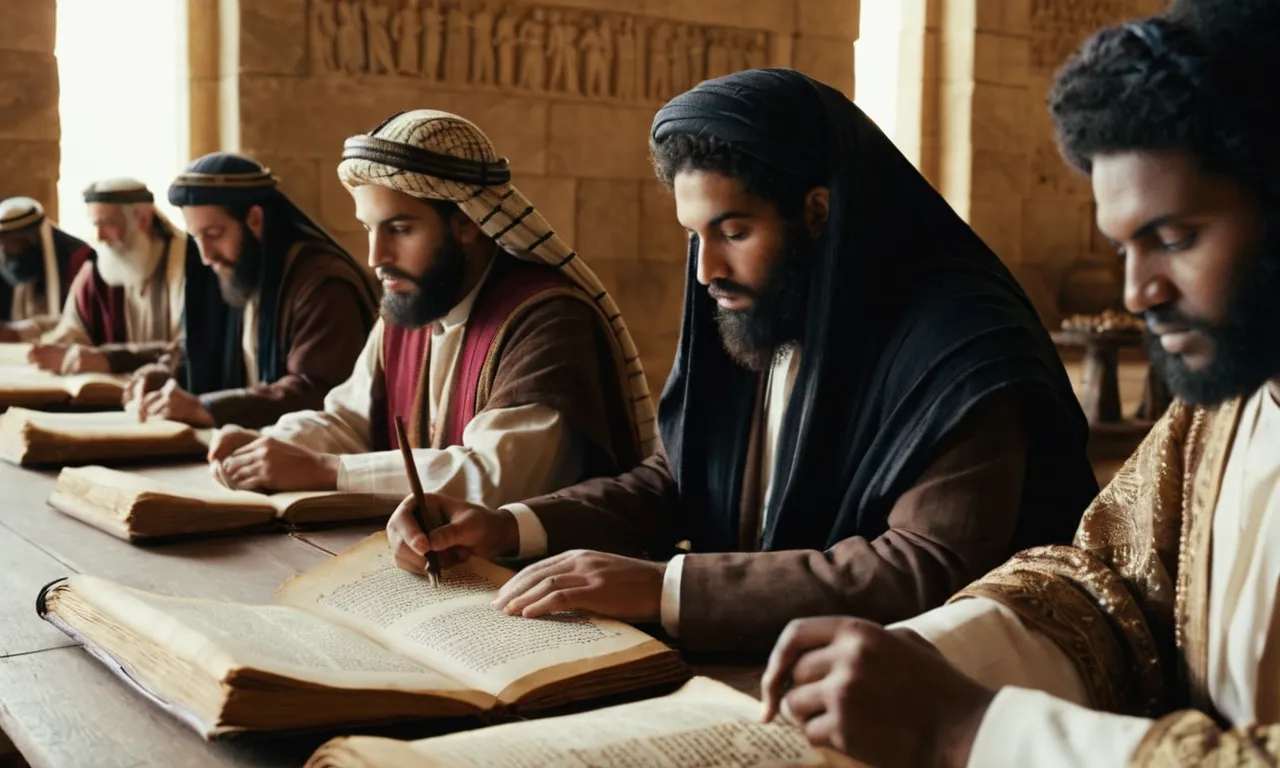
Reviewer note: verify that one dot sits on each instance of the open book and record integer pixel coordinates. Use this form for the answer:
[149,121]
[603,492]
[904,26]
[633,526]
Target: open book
[37,437]
[705,718]
[353,641]
[14,353]
[186,500]
[28,386]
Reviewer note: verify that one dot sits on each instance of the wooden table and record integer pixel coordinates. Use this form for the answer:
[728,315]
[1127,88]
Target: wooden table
[62,708]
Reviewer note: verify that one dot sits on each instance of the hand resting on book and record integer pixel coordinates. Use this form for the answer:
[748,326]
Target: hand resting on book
[268,464]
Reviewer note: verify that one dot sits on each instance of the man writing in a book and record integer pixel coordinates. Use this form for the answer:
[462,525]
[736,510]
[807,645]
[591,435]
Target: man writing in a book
[865,411]
[275,310]
[37,262]
[508,362]
[125,306]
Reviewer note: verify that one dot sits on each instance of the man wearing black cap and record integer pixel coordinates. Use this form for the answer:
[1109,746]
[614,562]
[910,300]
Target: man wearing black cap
[276,311]
[37,262]
[125,306]
[864,414]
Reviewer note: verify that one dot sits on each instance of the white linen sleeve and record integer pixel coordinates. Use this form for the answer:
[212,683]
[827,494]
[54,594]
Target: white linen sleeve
[343,426]
[507,454]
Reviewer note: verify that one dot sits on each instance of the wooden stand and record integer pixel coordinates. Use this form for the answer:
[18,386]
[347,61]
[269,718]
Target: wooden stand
[1100,397]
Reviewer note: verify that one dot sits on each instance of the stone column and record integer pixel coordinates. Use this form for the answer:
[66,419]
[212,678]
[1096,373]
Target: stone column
[988,141]
[29,127]
[203,60]
[822,45]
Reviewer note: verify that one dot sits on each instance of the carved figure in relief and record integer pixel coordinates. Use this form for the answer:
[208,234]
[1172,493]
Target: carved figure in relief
[756,55]
[562,69]
[321,38]
[406,30]
[717,55]
[695,48]
[737,56]
[377,41]
[505,40]
[660,62]
[350,38]
[533,51]
[456,45]
[627,71]
[679,60]
[432,40]
[589,52]
[572,61]
[597,56]
[483,66]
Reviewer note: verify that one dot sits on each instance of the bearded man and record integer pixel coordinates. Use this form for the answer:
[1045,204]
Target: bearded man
[275,309]
[1153,640]
[37,262]
[865,412]
[125,306]
[507,361]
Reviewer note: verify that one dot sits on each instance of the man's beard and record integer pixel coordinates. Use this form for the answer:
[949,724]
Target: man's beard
[1245,347]
[246,274]
[23,266]
[776,317]
[438,289]
[132,262]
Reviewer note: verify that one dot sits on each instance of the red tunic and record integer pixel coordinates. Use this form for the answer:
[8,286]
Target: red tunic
[406,354]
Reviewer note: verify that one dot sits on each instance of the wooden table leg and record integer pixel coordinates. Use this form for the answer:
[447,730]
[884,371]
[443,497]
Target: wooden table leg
[1100,397]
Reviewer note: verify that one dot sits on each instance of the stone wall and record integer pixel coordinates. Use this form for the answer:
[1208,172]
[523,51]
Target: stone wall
[987,140]
[567,90]
[29,128]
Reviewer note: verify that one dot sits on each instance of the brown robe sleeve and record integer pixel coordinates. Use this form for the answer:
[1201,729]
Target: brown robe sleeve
[954,524]
[557,355]
[127,358]
[327,337]
[632,513]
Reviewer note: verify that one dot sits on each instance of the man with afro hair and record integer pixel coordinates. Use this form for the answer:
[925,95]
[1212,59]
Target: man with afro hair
[1154,639]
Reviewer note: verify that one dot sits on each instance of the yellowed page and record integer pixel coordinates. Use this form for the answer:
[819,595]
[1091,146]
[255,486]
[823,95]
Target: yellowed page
[37,437]
[307,507]
[191,482]
[14,354]
[95,425]
[223,637]
[450,627]
[21,384]
[704,723]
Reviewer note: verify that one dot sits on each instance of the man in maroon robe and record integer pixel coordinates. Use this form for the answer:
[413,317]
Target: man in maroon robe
[36,262]
[506,359]
[125,305]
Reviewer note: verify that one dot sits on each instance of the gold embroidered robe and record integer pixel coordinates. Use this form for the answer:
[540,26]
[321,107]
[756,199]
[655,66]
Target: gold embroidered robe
[1129,602]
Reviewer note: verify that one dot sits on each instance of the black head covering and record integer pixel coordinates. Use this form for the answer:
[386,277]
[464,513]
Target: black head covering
[211,327]
[911,322]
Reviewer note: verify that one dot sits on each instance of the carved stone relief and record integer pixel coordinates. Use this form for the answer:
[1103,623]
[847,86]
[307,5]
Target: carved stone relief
[1059,26]
[490,43]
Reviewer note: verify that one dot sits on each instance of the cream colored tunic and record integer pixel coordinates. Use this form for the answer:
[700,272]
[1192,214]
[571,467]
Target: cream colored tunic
[506,454]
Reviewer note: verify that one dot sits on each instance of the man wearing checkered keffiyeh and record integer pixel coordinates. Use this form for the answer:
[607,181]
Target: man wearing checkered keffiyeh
[507,361]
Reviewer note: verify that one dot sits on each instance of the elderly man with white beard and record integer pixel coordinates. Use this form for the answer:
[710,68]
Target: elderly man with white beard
[124,308]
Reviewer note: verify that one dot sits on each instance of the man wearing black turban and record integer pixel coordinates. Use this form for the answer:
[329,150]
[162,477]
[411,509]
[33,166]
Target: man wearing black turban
[865,412]
[276,311]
